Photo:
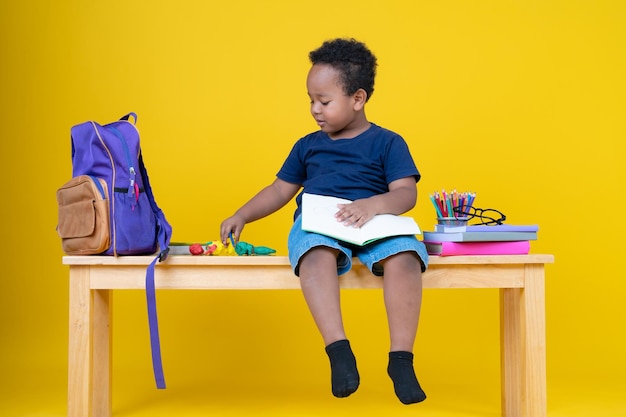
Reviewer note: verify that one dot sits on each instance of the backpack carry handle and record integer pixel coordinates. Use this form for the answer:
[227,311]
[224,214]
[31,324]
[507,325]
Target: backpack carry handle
[126,117]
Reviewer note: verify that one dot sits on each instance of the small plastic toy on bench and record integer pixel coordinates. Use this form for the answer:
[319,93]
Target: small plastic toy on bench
[217,248]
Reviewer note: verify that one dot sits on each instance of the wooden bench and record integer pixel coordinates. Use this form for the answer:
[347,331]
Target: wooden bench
[520,279]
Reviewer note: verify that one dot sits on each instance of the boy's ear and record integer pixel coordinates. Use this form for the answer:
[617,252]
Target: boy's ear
[360,97]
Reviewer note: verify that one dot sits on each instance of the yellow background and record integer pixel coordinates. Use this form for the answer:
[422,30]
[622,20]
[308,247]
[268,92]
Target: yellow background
[521,101]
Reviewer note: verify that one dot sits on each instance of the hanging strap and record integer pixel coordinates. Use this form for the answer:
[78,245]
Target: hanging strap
[153,322]
[164,232]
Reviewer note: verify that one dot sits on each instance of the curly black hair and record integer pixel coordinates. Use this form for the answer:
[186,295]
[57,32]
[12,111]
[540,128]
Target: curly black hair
[354,61]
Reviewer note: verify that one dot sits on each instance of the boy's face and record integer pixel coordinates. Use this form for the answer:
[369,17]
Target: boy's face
[333,110]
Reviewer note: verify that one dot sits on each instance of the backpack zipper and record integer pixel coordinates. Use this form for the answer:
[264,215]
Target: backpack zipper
[112,195]
[98,186]
[133,188]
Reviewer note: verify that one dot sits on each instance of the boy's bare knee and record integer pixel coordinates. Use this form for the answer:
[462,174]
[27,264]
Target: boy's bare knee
[402,263]
[321,258]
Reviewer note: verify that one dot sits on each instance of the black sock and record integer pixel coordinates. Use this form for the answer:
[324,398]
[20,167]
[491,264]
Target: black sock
[405,383]
[344,375]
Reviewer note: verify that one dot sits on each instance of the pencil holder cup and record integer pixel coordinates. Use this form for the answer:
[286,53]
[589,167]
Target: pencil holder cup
[452,221]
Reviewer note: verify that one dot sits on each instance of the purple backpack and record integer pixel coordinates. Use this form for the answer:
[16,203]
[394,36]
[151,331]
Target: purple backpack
[137,225]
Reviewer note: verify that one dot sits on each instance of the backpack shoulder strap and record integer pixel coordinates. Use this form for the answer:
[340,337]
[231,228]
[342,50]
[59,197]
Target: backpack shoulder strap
[164,232]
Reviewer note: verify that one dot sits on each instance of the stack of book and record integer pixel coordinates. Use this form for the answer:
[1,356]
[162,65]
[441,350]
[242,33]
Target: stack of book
[480,240]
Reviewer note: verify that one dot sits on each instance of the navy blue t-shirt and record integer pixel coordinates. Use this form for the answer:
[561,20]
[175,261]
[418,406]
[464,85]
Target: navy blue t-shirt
[348,168]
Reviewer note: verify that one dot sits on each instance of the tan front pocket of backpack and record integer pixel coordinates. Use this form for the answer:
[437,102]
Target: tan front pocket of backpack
[83,216]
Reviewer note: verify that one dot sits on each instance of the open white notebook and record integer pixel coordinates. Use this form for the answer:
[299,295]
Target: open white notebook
[318,215]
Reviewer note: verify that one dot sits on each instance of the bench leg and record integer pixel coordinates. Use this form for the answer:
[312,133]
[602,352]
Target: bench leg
[534,303]
[79,400]
[89,350]
[102,363]
[523,347]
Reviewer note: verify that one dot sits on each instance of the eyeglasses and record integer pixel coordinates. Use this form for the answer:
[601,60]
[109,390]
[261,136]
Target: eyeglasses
[489,217]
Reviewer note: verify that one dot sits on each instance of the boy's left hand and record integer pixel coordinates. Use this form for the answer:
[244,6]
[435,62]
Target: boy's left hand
[355,214]
[401,198]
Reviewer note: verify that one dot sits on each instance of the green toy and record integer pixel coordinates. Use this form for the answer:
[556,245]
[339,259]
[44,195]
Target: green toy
[243,248]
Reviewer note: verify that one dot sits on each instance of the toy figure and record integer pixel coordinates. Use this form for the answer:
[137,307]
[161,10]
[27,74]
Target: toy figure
[217,248]
[243,248]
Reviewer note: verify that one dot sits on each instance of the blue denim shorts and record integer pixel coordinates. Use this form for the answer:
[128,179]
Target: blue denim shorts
[300,242]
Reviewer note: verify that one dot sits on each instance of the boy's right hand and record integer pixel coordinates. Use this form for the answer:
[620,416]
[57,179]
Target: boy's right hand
[234,224]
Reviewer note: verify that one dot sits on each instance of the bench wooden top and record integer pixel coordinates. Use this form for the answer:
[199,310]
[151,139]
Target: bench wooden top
[274,272]
[283,260]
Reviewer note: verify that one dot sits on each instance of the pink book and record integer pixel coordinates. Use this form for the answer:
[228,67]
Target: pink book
[519,247]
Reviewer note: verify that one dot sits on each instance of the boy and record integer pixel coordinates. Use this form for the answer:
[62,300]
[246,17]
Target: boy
[351,158]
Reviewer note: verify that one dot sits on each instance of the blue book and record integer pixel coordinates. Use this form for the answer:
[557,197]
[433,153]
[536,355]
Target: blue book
[440,228]
[503,228]
[478,236]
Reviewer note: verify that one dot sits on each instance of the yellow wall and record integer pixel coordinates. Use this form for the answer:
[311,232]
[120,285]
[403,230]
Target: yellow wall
[523,102]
